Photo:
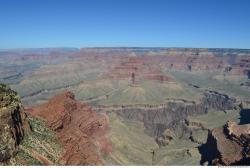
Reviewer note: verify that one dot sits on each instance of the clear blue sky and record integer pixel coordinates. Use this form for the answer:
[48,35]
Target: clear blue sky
[106,23]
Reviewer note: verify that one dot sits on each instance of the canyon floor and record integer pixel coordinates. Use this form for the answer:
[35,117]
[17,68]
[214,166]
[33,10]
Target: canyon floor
[128,106]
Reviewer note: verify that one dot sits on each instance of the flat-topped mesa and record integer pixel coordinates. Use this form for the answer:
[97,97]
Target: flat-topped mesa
[227,145]
[12,123]
[77,127]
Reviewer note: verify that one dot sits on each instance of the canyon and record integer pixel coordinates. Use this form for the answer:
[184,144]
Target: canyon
[125,106]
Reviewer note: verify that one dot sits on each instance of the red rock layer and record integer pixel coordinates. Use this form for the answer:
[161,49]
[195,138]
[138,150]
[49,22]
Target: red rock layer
[78,128]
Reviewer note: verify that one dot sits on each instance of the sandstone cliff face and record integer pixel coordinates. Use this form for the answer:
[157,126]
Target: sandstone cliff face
[228,145]
[78,128]
[12,123]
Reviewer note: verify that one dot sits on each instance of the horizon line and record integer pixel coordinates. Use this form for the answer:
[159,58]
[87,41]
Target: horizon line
[99,47]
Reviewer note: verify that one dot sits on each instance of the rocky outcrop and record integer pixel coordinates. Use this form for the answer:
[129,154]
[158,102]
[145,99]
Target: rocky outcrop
[79,129]
[12,123]
[228,145]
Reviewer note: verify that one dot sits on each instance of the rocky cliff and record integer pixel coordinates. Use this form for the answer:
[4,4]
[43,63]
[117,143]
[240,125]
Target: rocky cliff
[228,145]
[172,114]
[13,123]
[78,128]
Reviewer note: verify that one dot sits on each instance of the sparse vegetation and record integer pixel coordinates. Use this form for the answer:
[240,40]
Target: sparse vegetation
[41,140]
